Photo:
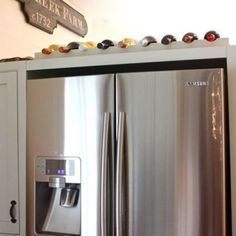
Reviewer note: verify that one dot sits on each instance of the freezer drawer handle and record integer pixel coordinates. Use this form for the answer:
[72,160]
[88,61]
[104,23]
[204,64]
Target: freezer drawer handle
[12,212]
[104,219]
[119,171]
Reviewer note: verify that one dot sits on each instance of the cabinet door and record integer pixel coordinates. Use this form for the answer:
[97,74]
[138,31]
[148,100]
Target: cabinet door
[9,199]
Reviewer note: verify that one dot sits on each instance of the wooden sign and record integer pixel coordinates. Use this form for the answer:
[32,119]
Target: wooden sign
[45,14]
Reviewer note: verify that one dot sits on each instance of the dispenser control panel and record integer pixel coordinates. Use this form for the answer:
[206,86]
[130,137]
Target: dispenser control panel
[58,167]
[68,167]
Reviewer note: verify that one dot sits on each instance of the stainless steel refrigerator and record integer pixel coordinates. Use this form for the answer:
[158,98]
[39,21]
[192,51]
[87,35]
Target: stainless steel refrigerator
[152,148]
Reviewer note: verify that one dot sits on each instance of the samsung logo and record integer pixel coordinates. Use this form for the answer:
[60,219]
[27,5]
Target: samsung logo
[197,83]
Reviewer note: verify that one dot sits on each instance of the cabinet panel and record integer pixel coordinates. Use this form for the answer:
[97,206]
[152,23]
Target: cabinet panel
[9,204]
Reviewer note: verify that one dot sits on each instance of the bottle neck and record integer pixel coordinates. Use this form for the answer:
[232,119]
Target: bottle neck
[47,51]
[70,46]
[103,45]
[64,49]
[147,41]
[122,45]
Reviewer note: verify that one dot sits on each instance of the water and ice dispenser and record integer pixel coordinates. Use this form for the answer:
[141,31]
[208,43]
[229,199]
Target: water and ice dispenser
[57,195]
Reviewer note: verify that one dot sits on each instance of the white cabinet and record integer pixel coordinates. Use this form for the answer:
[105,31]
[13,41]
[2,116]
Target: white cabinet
[12,149]
[9,189]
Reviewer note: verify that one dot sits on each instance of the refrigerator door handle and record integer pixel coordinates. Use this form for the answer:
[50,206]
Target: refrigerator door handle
[119,171]
[105,134]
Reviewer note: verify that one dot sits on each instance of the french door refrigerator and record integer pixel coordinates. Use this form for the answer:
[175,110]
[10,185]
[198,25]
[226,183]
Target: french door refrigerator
[152,147]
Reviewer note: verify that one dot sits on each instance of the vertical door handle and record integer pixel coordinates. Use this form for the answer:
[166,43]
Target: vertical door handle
[119,171]
[12,212]
[104,173]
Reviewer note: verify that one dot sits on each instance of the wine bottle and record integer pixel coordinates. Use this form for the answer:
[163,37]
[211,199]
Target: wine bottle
[168,39]
[211,36]
[189,37]
[126,42]
[105,44]
[69,47]
[51,48]
[86,45]
[147,40]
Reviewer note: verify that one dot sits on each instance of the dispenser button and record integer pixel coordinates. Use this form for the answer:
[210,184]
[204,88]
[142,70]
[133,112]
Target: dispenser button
[42,172]
[42,164]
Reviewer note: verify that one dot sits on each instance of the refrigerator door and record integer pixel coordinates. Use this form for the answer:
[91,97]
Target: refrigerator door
[171,168]
[71,117]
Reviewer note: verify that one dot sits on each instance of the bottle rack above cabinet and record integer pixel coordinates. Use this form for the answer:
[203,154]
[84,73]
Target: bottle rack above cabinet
[135,48]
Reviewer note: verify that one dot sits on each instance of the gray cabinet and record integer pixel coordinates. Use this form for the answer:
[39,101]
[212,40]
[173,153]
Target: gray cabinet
[12,149]
[9,189]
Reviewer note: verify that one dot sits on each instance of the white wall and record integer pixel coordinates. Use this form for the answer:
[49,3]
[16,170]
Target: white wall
[137,18]
[19,38]
[117,19]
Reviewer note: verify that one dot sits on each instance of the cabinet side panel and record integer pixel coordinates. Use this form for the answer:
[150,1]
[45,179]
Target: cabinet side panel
[9,154]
